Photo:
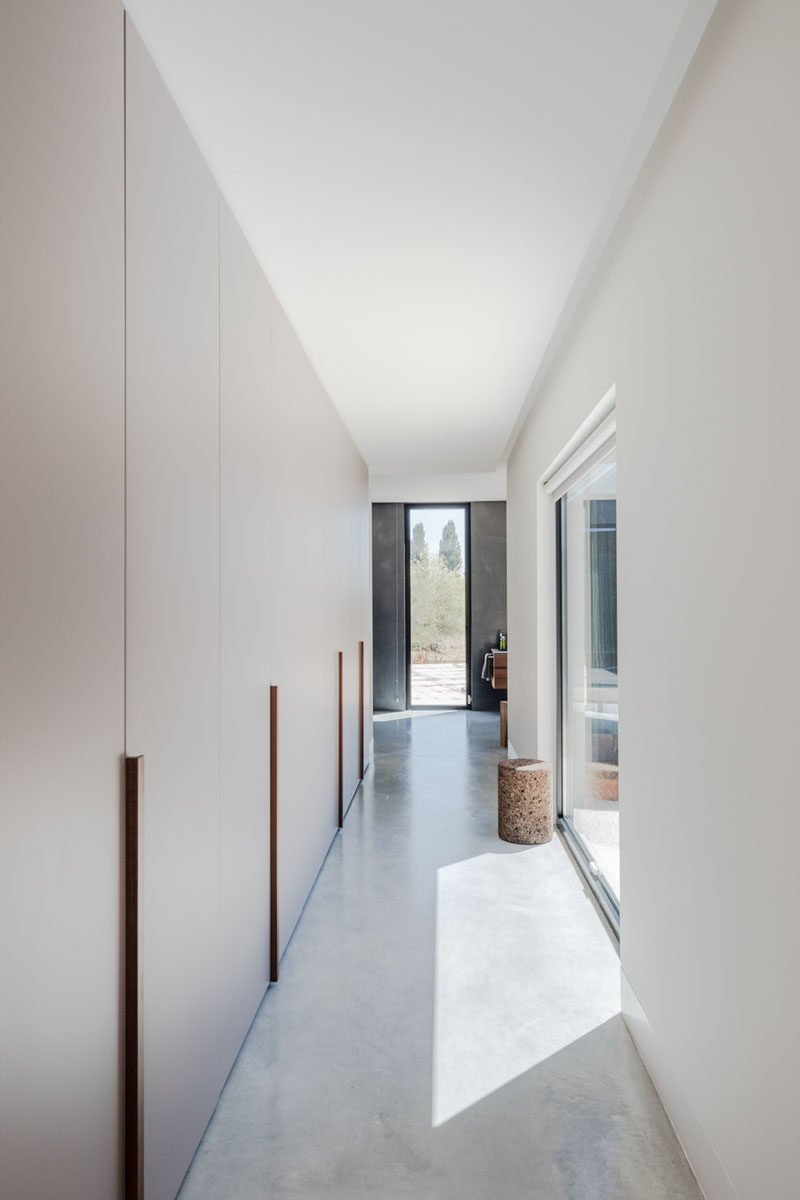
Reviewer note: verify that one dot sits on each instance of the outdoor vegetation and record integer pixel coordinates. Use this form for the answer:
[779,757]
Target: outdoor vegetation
[437,598]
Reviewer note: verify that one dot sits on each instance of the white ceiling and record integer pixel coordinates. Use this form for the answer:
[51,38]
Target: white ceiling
[426,183]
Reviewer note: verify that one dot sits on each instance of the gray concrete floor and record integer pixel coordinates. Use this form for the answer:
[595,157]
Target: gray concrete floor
[447,1022]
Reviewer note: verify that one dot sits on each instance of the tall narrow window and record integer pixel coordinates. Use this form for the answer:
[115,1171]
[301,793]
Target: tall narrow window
[437,547]
[586,515]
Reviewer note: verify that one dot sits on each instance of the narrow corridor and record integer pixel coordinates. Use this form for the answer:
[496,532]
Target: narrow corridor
[447,1021]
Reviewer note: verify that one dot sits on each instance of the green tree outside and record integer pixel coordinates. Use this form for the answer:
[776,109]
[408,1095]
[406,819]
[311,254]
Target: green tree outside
[437,611]
[450,548]
[418,544]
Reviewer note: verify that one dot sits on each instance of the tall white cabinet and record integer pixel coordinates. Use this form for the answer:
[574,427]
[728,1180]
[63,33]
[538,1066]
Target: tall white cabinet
[61,596]
[319,605]
[183,519]
[244,624]
[197,642]
[173,607]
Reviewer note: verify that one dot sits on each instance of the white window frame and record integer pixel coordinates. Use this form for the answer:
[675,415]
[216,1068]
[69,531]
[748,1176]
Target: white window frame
[590,442]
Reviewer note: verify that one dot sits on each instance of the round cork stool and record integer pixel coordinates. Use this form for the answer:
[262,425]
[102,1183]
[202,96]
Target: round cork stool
[524,801]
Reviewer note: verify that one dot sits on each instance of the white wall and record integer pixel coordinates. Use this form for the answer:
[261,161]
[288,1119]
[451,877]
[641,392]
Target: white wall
[693,315]
[61,596]
[439,489]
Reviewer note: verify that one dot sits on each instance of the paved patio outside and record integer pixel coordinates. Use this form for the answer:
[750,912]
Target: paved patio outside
[439,683]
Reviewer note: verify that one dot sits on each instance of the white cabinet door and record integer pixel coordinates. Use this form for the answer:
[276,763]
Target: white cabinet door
[173,609]
[244,711]
[61,596]
[319,594]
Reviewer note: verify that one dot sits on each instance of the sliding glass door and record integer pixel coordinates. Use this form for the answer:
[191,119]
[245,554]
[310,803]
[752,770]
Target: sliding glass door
[586,516]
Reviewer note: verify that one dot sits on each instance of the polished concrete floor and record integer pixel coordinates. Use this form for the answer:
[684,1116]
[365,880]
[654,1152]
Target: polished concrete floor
[447,1022]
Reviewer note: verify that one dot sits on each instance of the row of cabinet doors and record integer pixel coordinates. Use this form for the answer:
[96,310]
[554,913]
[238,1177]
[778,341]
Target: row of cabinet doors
[165,558]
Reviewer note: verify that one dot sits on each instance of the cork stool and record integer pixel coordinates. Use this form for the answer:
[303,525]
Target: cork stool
[524,800]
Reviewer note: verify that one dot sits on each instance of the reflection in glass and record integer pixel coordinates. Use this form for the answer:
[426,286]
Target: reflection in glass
[590,762]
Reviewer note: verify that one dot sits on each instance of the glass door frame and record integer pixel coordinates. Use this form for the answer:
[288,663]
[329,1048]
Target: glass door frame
[467,603]
[603,894]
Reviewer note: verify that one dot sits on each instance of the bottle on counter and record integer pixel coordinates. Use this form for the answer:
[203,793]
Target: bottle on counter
[503,641]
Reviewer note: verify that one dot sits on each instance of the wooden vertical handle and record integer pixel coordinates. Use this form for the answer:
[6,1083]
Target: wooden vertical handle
[274,953]
[360,710]
[341,739]
[134,1027]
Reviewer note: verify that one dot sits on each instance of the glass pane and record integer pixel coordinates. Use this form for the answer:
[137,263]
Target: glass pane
[438,607]
[590,762]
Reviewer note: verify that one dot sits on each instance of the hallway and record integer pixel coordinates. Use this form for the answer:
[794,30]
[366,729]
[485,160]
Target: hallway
[446,1024]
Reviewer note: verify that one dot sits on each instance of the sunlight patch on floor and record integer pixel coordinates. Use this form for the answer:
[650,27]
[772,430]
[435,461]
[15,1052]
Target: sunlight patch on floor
[513,985]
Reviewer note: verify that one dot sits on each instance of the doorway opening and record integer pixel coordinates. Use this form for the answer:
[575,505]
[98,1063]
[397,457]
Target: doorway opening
[437,575]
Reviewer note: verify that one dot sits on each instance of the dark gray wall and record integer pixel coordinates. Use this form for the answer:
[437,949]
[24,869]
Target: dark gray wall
[488,604]
[388,607]
[487,607]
